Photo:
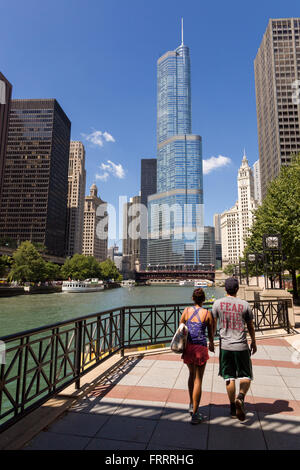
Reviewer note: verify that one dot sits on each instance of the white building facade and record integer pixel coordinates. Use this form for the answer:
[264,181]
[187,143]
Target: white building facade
[76,195]
[95,226]
[235,222]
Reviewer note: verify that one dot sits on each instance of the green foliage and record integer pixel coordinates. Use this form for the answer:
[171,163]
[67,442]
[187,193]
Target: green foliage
[109,270]
[229,269]
[280,213]
[5,262]
[81,267]
[27,264]
[53,272]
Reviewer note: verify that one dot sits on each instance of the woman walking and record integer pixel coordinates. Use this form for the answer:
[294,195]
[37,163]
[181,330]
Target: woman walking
[195,355]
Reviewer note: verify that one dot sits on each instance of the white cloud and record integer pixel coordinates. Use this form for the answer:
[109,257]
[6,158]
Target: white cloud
[215,162]
[103,177]
[98,138]
[111,168]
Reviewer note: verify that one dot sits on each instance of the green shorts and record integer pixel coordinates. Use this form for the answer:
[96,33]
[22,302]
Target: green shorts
[235,364]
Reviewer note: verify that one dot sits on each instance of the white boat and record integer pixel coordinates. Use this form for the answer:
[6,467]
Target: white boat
[186,282]
[200,283]
[128,283]
[81,286]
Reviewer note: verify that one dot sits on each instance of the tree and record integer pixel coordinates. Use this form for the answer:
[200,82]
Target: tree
[5,262]
[53,271]
[81,267]
[280,213]
[109,270]
[229,269]
[27,264]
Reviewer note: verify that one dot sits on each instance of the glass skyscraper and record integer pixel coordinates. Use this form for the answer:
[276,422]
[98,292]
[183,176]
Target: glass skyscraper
[175,236]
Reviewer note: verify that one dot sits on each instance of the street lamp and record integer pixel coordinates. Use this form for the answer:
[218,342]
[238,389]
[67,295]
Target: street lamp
[253,258]
[244,264]
[272,250]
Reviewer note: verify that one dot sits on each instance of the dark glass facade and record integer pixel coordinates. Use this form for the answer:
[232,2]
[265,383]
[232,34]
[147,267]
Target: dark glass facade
[35,179]
[148,187]
[5,98]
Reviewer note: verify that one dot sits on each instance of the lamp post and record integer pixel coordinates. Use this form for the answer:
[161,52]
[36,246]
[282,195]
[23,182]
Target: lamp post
[244,264]
[253,258]
[272,253]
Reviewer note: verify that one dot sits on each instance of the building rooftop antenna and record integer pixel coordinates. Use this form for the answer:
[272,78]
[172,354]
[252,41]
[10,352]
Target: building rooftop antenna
[182,31]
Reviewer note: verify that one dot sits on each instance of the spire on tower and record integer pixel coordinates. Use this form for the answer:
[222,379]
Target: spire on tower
[182,31]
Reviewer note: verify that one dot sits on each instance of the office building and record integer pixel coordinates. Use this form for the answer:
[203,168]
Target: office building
[76,196]
[277,75]
[172,234]
[95,226]
[148,187]
[5,98]
[217,225]
[131,238]
[35,177]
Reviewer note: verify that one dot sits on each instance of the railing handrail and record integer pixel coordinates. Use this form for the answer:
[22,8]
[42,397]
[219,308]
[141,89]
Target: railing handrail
[42,365]
[50,326]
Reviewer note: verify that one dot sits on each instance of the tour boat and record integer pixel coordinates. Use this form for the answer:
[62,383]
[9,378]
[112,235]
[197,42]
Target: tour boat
[82,286]
[200,283]
[186,282]
[128,283]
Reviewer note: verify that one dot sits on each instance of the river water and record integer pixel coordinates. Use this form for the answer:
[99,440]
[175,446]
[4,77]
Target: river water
[31,311]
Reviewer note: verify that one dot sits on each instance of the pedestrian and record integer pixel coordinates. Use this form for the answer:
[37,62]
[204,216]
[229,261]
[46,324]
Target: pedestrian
[233,315]
[195,355]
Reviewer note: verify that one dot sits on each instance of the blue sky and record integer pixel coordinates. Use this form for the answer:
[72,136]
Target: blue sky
[98,59]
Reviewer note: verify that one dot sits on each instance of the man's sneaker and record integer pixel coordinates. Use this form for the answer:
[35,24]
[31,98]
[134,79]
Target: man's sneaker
[196,418]
[233,410]
[191,408]
[240,407]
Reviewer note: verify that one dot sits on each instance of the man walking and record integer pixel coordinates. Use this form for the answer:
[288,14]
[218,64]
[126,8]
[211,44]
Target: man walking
[235,362]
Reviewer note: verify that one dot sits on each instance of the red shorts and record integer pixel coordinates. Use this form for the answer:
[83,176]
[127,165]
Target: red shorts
[195,354]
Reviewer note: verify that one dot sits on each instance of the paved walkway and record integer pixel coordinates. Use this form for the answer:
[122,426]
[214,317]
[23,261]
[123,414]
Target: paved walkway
[144,406]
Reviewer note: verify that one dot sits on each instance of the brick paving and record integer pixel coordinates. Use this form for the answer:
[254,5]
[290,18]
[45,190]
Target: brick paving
[144,406]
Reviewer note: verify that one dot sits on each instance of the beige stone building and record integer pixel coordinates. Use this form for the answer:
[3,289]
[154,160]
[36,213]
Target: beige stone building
[76,195]
[277,83]
[95,230]
[131,245]
[235,222]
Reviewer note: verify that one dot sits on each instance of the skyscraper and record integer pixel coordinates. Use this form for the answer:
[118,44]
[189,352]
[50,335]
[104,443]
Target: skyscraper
[5,97]
[277,75]
[179,168]
[148,187]
[35,179]
[76,195]
[235,222]
[131,244]
[217,225]
[94,228]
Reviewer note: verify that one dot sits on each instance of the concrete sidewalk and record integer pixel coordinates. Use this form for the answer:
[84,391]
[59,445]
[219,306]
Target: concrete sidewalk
[145,406]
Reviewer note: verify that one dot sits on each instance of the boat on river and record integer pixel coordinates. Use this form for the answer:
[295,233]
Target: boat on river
[186,282]
[203,283]
[128,283]
[82,286]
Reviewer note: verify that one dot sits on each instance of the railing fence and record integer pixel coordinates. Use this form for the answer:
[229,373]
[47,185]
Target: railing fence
[44,361]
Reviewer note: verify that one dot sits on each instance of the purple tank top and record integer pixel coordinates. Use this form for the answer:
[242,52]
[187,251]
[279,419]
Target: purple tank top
[196,333]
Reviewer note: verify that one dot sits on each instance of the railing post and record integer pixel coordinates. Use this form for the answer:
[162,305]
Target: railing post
[122,338]
[78,347]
